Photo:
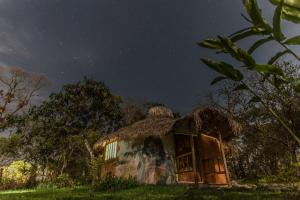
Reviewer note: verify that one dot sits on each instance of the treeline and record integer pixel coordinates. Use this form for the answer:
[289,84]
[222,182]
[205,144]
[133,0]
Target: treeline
[53,142]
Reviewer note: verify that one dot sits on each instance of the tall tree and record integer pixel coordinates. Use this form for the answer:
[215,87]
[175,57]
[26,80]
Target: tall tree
[74,118]
[17,88]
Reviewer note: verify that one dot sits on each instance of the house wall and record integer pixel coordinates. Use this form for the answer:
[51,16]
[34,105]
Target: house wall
[149,159]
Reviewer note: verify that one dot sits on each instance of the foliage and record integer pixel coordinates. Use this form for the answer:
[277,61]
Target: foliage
[9,146]
[269,72]
[264,149]
[113,183]
[290,9]
[16,175]
[58,134]
[287,175]
[64,180]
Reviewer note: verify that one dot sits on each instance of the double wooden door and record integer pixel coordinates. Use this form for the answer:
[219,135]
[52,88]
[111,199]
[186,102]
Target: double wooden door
[198,159]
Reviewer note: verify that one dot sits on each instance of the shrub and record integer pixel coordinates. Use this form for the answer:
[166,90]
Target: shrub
[113,183]
[287,175]
[16,175]
[61,181]
[64,180]
[47,185]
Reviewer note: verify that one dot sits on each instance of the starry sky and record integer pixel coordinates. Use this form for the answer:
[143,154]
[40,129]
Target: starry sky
[139,48]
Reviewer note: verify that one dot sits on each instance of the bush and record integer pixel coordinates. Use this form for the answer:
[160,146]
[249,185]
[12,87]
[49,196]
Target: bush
[64,180]
[47,185]
[61,181]
[113,183]
[287,175]
[16,175]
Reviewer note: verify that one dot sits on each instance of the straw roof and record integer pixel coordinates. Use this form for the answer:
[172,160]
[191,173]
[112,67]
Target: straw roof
[209,121]
[160,122]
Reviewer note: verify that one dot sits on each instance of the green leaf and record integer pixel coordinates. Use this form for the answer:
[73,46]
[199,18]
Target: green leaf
[240,31]
[293,18]
[254,12]
[277,22]
[225,69]
[291,10]
[211,44]
[246,58]
[277,82]
[254,99]
[258,44]
[243,35]
[236,52]
[269,69]
[296,85]
[218,79]
[277,56]
[293,41]
[241,87]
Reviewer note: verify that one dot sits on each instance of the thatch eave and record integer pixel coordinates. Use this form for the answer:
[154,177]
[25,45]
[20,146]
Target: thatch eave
[151,126]
[209,121]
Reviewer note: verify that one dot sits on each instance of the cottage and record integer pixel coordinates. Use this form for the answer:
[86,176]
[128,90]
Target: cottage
[163,150]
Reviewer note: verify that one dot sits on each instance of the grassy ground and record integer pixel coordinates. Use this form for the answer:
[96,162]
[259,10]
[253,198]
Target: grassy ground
[143,193]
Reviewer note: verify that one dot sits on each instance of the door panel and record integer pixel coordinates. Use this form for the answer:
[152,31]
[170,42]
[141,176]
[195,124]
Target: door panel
[184,161]
[213,165]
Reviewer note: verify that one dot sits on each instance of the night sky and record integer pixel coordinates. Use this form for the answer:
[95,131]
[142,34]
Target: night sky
[139,48]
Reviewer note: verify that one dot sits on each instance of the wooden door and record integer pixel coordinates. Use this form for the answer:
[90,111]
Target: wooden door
[213,166]
[185,171]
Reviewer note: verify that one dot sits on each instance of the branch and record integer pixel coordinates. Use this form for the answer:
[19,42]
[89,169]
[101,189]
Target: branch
[279,119]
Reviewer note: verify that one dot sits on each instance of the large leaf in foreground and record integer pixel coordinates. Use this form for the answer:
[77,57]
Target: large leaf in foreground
[293,41]
[291,9]
[237,52]
[211,44]
[277,56]
[269,69]
[277,22]
[254,12]
[258,44]
[224,68]
[218,79]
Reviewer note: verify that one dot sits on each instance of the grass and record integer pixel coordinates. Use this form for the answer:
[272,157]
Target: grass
[143,193]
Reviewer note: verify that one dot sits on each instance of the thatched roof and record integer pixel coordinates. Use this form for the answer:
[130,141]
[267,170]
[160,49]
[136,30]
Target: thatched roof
[160,122]
[209,121]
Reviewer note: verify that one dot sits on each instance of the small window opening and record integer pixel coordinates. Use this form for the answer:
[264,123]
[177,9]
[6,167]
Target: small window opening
[111,150]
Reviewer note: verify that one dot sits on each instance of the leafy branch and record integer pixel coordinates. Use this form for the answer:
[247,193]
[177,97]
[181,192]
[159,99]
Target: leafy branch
[270,72]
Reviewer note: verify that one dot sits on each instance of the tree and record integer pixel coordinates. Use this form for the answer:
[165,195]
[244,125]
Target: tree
[269,72]
[71,120]
[9,149]
[264,148]
[17,88]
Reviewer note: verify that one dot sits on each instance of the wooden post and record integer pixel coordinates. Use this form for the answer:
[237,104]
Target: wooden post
[201,159]
[194,161]
[224,160]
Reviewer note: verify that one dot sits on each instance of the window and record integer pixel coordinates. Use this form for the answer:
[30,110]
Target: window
[111,151]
